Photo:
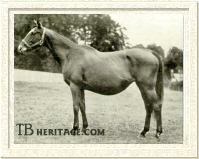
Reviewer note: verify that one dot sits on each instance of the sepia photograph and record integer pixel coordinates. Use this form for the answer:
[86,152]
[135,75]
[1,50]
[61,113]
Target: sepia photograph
[98,78]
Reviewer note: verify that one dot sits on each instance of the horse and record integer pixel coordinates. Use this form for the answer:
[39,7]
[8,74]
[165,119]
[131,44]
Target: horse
[106,73]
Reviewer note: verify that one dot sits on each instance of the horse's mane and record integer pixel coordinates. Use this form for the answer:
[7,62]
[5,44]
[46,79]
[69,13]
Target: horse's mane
[64,39]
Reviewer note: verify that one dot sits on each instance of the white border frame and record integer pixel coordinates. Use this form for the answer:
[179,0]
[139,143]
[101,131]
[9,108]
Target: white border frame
[189,146]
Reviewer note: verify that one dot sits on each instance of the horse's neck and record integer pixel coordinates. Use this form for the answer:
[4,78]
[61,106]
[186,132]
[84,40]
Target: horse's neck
[59,45]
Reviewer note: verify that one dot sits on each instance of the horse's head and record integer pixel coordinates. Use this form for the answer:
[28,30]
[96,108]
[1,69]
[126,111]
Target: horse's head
[33,39]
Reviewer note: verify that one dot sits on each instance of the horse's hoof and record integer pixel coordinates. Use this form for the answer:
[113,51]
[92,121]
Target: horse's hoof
[83,130]
[157,135]
[74,131]
[142,135]
[75,128]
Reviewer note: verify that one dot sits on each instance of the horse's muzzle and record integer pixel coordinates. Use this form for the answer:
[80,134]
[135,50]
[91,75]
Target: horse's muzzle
[21,49]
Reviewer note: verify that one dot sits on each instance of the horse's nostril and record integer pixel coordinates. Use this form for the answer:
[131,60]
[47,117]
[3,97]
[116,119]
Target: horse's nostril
[19,49]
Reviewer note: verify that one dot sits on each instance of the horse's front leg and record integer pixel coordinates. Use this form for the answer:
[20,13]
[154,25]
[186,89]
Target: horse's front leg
[78,102]
[83,111]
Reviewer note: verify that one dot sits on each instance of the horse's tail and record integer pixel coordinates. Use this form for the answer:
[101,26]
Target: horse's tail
[160,81]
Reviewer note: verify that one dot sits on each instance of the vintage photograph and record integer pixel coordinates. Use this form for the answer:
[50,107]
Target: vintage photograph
[114,78]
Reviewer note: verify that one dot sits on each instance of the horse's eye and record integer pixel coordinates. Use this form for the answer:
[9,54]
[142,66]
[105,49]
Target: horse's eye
[30,42]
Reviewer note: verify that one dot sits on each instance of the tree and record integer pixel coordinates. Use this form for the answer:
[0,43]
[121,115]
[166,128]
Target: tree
[139,46]
[157,49]
[174,58]
[102,33]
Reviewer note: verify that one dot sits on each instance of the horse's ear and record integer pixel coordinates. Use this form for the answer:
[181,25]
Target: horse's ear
[38,24]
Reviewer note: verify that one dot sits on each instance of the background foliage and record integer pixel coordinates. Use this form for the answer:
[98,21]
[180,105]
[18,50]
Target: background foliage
[96,30]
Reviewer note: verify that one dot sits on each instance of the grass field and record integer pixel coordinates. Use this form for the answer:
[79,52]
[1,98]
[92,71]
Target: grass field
[49,105]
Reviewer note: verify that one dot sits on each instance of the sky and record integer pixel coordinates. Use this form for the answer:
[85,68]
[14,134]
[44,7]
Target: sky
[164,29]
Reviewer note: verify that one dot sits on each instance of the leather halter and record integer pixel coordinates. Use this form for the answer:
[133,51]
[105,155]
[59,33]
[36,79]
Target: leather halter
[39,43]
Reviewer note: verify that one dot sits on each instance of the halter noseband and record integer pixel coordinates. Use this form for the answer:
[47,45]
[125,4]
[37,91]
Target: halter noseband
[40,42]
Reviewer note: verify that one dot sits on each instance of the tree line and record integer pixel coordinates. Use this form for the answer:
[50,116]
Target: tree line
[96,30]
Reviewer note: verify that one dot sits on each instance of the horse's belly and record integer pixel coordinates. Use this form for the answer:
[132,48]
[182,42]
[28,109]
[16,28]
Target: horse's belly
[106,90]
[108,86]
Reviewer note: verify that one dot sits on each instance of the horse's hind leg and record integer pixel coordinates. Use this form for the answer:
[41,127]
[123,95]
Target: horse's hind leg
[151,101]
[149,110]
[158,115]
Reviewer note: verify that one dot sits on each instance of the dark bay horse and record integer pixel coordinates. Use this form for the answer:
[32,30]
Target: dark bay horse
[85,68]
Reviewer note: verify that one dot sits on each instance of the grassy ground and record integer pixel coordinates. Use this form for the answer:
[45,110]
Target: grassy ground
[49,105]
